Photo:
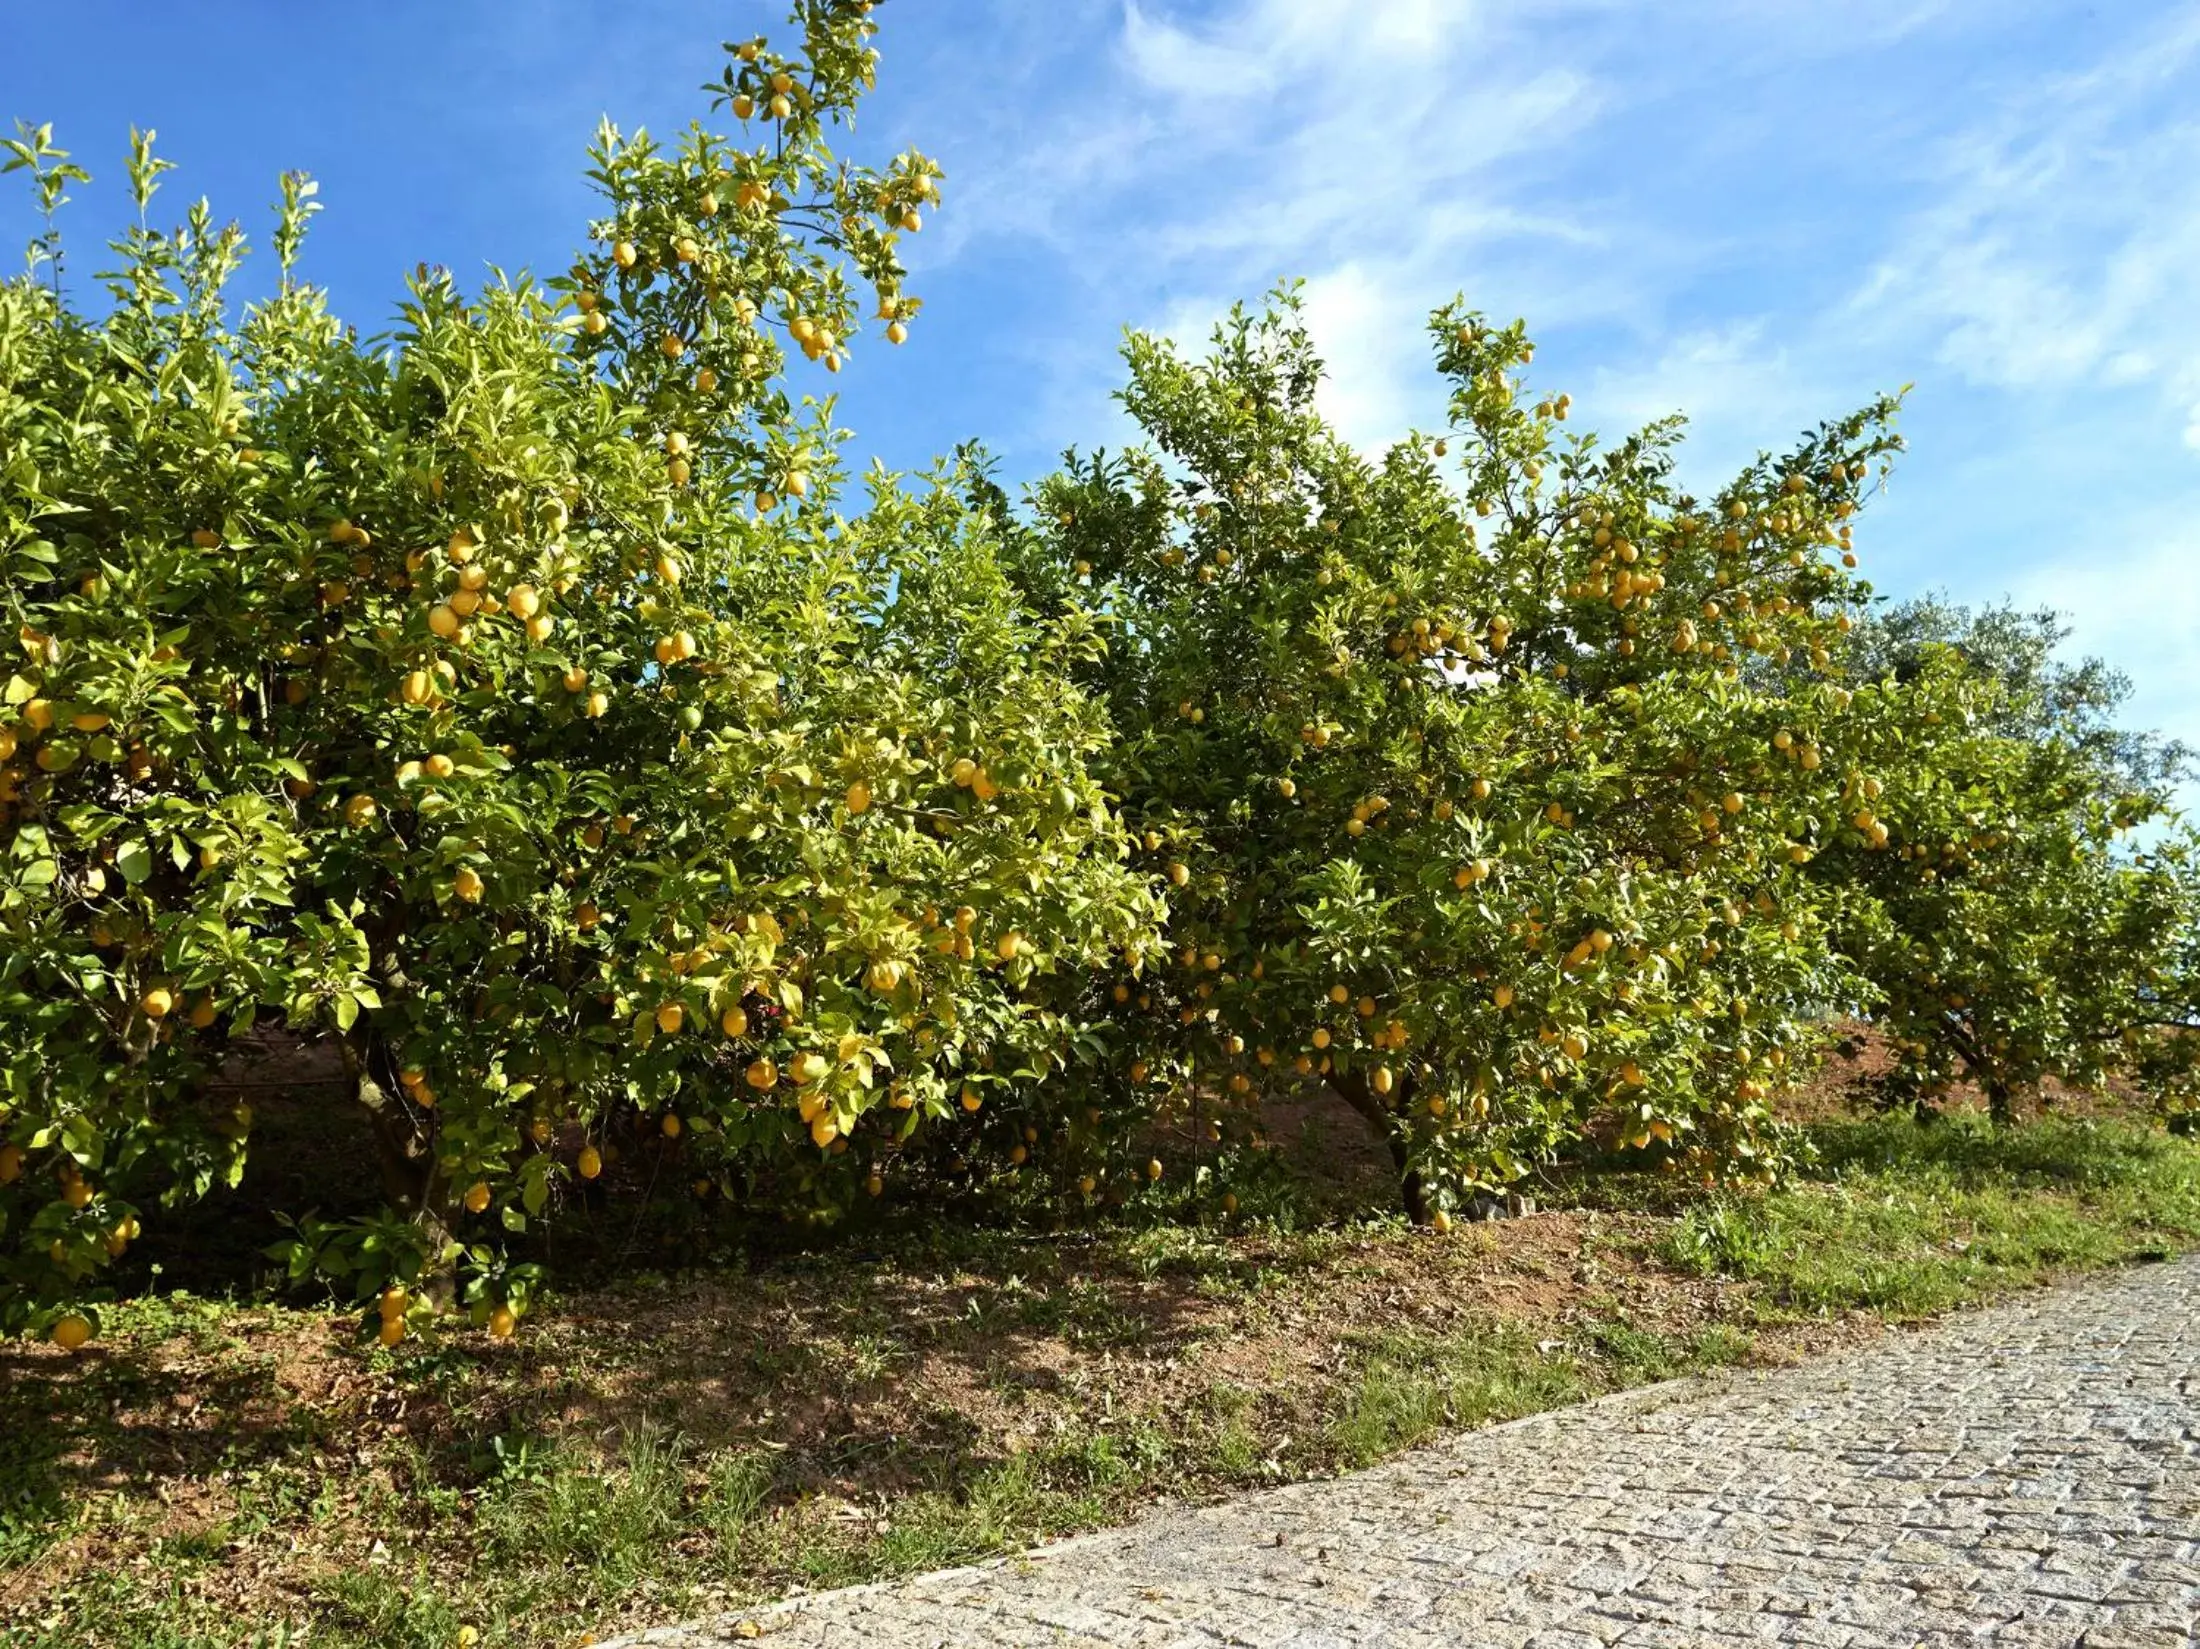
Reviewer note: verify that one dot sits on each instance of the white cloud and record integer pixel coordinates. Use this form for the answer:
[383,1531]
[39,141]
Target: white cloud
[1370,335]
[1268,45]
[2063,246]
[1356,143]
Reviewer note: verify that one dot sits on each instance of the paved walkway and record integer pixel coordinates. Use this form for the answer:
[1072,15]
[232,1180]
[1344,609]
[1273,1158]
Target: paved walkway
[2028,1474]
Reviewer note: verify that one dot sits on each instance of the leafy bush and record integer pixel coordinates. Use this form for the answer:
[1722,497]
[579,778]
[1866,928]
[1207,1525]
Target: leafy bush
[2012,935]
[511,702]
[1475,805]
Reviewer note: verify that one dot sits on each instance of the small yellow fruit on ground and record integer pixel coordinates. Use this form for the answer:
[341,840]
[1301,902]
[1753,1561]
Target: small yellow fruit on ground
[1441,1221]
[70,1333]
[590,1162]
[502,1322]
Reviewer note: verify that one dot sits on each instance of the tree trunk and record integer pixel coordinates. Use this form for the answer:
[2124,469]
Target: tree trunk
[1380,1117]
[412,1179]
[2001,1098]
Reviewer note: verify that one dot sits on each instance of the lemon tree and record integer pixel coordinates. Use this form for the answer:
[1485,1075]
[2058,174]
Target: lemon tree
[1485,771]
[526,704]
[2037,914]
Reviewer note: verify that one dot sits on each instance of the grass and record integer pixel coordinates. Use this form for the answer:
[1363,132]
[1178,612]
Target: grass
[1908,1220]
[234,1472]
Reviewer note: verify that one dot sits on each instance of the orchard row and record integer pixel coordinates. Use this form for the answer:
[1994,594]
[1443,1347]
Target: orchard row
[530,708]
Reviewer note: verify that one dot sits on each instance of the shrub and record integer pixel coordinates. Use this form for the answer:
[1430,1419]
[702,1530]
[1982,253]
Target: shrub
[2015,933]
[509,702]
[1473,764]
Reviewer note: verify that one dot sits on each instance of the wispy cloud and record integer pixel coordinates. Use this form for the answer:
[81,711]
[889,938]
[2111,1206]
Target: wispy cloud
[1758,215]
[2062,246]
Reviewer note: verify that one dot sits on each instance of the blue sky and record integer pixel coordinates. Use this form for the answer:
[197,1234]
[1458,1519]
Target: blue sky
[1760,212]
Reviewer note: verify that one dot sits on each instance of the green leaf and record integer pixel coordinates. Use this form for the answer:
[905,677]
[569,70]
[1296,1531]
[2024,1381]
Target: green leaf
[135,860]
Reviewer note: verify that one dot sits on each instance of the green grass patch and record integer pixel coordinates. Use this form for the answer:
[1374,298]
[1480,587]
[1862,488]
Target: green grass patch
[1413,1387]
[1908,1219]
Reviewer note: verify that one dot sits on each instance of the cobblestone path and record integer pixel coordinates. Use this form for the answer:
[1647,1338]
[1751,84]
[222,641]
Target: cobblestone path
[2028,1474]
